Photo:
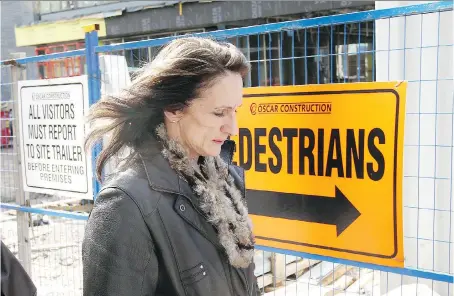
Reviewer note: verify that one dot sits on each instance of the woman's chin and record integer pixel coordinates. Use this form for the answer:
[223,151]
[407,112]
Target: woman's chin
[213,151]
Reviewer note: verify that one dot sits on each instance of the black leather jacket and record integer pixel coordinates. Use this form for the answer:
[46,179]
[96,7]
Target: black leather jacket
[15,281]
[145,236]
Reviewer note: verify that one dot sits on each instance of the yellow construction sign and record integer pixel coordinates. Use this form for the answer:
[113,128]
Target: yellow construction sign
[324,168]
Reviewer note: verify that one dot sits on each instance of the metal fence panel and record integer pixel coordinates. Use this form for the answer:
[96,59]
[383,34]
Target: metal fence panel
[412,43]
[55,249]
[47,243]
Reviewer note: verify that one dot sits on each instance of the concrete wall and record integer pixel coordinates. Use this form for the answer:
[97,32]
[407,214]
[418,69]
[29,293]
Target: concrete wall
[104,7]
[12,13]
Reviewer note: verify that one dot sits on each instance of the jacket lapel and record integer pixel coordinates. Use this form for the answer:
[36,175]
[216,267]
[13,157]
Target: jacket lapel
[161,177]
[192,216]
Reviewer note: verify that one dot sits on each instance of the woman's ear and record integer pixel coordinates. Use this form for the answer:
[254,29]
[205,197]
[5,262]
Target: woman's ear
[173,116]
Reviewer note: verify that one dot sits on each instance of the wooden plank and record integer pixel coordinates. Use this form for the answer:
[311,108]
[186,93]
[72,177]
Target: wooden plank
[68,201]
[364,281]
[340,285]
[262,262]
[290,259]
[317,273]
[284,272]
[335,274]
[298,289]
[300,267]
[265,280]
[278,269]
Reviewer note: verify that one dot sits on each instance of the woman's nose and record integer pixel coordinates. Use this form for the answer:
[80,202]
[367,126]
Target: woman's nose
[231,127]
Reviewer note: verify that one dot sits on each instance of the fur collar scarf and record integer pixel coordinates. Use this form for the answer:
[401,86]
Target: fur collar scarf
[219,199]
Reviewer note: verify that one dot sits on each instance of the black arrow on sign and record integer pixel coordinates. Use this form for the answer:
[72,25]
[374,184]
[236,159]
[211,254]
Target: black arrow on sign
[338,211]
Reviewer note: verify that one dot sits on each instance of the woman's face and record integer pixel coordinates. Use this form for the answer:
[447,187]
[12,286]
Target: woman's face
[209,120]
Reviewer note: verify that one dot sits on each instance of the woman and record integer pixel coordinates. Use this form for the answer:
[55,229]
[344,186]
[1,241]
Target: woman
[174,221]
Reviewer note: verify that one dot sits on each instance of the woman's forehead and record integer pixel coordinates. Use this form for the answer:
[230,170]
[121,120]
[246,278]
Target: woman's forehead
[225,92]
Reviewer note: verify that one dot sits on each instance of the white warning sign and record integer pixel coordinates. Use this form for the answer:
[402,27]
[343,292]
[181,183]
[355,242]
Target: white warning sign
[53,129]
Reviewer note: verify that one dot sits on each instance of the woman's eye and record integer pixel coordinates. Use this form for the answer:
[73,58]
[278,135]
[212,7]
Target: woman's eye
[219,114]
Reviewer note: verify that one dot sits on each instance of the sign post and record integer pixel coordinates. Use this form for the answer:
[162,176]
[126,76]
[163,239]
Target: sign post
[324,168]
[52,126]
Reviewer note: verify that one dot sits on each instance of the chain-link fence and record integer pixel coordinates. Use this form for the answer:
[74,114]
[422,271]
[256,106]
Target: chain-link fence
[411,43]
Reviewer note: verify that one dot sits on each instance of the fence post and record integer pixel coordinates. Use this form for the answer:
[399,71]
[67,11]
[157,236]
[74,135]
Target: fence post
[94,86]
[22,197]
